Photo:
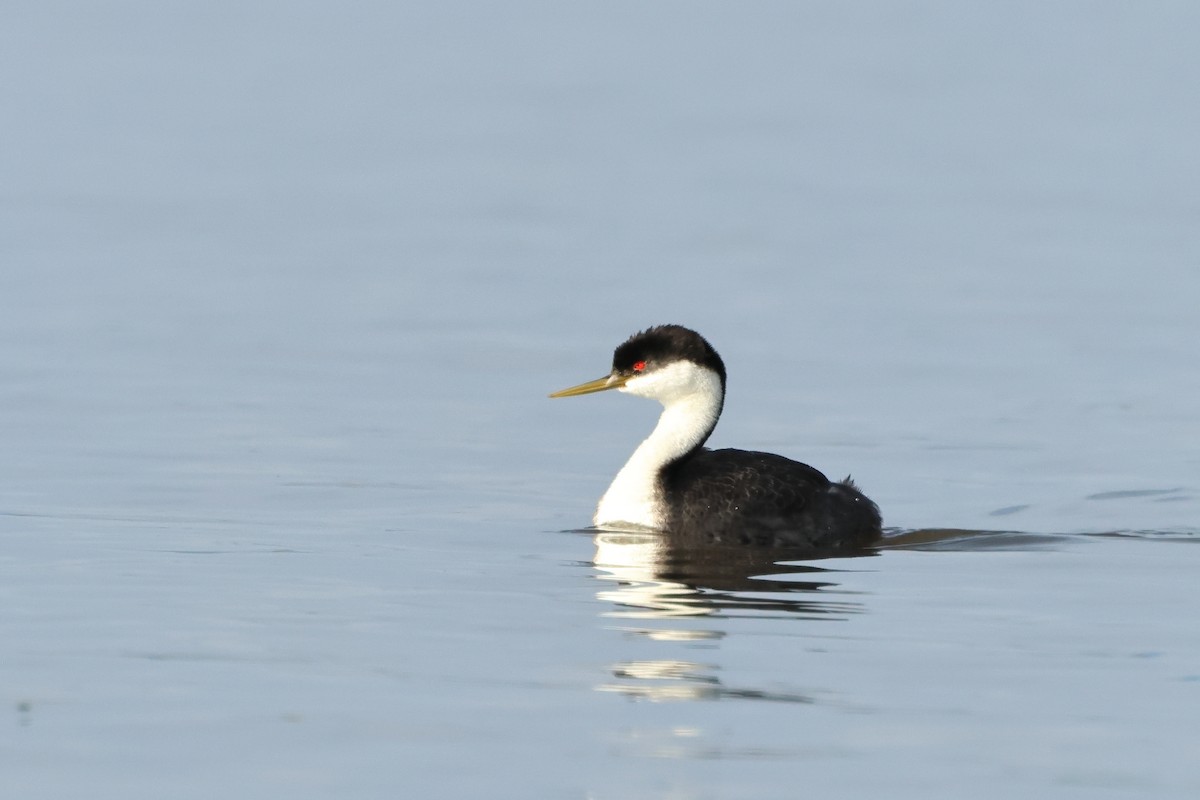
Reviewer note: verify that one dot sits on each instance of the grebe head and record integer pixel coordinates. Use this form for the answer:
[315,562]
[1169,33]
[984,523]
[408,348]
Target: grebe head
[665,363]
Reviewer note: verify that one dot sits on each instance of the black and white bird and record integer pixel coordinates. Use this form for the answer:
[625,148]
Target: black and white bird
[674,484]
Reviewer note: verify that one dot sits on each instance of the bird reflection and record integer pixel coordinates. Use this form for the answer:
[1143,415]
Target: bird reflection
[688,598]
[650,576]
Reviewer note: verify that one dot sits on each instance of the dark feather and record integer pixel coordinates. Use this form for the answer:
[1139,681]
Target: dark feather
[762,499]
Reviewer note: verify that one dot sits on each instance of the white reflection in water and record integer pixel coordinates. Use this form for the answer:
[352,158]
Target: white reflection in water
[645,577]
[631,561]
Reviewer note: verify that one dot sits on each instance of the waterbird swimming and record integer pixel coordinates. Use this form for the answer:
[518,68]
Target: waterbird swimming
[674,484]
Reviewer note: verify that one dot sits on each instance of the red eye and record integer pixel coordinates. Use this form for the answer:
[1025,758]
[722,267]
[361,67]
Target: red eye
[638,366]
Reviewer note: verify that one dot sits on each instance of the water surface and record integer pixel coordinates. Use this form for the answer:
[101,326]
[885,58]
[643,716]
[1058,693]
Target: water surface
[285,509]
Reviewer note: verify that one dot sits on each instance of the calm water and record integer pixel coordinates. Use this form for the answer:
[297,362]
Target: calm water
[284,508]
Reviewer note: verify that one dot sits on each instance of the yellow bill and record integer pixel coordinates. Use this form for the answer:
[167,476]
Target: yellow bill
[598,385]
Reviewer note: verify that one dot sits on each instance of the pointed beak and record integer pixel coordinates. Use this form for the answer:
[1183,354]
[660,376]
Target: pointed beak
[598,385]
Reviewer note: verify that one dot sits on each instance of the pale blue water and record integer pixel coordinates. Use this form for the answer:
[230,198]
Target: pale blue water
[285,510]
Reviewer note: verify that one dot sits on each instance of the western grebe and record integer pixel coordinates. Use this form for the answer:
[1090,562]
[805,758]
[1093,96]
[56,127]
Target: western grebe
[673,483]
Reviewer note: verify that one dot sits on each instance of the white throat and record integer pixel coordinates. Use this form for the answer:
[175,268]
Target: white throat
[692,397]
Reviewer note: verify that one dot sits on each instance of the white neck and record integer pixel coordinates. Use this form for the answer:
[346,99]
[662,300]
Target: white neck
[692,397]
